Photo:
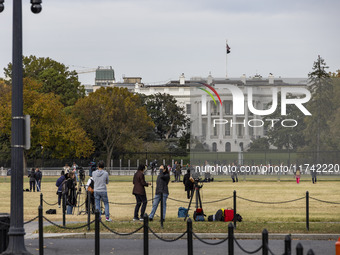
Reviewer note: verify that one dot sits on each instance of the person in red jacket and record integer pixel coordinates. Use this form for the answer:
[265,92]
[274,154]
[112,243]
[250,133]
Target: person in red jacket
[139,192]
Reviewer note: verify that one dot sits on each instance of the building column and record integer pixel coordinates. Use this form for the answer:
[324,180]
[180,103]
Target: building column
[220,131]
[199,105]
[208,121]
[246,129]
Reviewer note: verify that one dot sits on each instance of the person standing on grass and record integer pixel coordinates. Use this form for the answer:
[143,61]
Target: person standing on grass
[188,184]
[297,175]
[32,180]
[58,184]
[38,177]
[71,192]
[139,185]
[101,179]
[162,182]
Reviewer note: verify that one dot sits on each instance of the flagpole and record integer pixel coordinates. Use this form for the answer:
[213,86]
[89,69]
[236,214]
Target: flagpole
[226,58]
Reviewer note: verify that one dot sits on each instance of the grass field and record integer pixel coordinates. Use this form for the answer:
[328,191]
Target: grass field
[285,217]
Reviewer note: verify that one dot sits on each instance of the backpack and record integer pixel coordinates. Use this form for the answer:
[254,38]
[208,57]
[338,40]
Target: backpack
[182,212]
[199,215]
[219,215]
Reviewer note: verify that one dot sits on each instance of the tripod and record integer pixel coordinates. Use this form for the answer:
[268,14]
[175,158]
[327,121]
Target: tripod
[197,194]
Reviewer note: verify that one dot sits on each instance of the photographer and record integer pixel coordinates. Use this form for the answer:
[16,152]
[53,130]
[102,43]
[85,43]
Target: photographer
[139,192]
[58,184]
[71,192]
[162,187]
[188,184]
[90,188]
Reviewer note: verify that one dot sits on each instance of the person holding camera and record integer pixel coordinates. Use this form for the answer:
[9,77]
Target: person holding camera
[32,180]
[161,188]
[188,183]
[139,185]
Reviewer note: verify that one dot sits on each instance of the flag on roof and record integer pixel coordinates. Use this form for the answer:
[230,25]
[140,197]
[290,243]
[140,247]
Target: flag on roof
[228,49]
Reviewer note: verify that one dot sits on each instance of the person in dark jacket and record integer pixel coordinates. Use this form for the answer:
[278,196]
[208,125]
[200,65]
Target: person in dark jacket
[71,193]
[188,184]
[58,184]
[32,180]
[139,192]
[161,188]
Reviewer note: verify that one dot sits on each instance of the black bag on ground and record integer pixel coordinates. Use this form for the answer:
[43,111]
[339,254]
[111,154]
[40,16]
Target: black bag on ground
[51,211]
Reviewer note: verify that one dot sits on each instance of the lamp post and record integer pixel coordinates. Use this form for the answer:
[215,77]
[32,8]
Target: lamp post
[16,232]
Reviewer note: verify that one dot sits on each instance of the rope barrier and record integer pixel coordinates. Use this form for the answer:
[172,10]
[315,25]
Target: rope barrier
[210,202]
[4,223]
[59,226]
[181,201]
[121,234]
[49,203]
[167,240]
[281,202]
[242,249]
[205,242]
[323,201]
[29,221]
[127,203]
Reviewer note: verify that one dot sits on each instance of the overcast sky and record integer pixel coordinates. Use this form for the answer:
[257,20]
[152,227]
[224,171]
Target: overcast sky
[160,39]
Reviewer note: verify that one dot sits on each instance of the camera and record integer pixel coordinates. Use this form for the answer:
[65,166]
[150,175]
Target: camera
[154,164]
[81,172]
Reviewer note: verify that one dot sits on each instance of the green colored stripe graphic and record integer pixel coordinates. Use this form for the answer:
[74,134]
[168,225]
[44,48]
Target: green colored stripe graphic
[209,95]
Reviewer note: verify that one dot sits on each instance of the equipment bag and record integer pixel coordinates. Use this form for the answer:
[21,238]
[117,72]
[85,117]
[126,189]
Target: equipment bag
[199,215]
[228,215]
[182,212]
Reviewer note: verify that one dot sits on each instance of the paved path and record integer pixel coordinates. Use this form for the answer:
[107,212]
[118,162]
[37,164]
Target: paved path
[111,244]
[133,247]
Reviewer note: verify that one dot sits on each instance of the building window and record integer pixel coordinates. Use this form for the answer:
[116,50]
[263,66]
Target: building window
[227,129]
[188,108]
[228,147]
[215,130]
[214,147]
[204,129]
[227,107]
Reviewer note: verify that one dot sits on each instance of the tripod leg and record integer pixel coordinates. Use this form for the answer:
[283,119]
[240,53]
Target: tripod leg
[199,198]
[186,216]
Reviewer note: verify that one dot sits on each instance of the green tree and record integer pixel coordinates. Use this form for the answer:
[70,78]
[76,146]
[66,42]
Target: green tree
[169,118]
[115,118]
[317,132]
[259,144]
[54,76]
[285,137]
[60,135]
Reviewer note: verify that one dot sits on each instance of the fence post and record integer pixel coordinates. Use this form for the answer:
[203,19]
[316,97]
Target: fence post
[265,242]
[41,233]
[299,249]
[189,237]
[230,239]
[64,210]
[162,219]
[288,245]
[146,234]
[41,199]
[88,210]
[235,209]
[307,210]
[96,234]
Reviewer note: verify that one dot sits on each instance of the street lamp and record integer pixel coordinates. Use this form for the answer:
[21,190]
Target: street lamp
[16,232]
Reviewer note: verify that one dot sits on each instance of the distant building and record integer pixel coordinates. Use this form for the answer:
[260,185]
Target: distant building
[105,77]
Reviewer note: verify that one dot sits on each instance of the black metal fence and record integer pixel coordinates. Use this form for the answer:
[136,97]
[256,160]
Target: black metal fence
[132,159]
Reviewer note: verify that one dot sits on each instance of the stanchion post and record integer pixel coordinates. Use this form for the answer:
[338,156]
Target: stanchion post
[307,210]
[41,233]
[162,219]
[189,237]
[235,209]
[299,249]
[146,234]
[96,233]
[265,242]
[230,239]
[88,210]
[64,210]
[310,252]
[288,245]
[41,199]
